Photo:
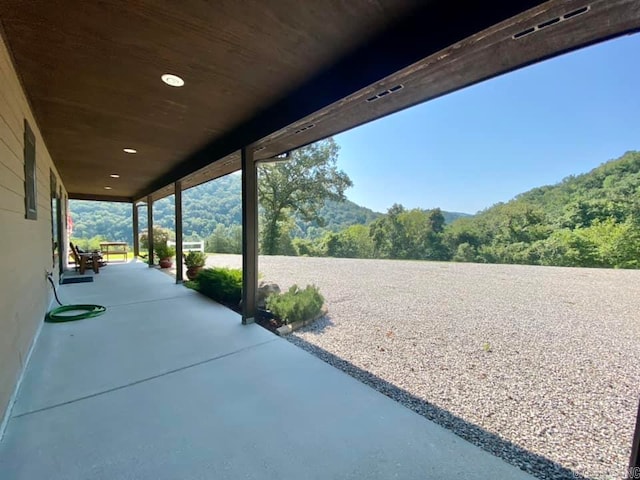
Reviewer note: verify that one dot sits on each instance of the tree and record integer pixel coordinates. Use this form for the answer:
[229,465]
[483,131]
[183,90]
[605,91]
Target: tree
[299,186]
[224,239]
[409,234]
[352,242]
[160,236]
[465,253]
[388,235]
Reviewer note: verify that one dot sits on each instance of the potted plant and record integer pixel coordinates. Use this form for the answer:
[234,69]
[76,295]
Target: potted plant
[164,253]
[194,261]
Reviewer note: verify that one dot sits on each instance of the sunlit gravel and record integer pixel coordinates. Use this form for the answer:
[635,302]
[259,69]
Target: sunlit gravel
[538,365]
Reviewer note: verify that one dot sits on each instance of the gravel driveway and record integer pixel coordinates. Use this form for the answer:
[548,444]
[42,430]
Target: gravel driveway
[535,364]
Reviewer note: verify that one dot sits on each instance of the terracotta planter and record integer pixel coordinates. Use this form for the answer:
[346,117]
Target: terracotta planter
[165,263]
[192,272]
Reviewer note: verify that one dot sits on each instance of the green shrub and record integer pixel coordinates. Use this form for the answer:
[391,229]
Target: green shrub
[164,251]
[195,258]
[192,284]
[296,304]
[221,284]
[308,248]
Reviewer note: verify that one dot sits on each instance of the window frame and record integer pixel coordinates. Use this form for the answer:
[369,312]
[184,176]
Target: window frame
[30,174]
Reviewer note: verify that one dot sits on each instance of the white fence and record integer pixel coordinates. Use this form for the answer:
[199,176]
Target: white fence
[189,246]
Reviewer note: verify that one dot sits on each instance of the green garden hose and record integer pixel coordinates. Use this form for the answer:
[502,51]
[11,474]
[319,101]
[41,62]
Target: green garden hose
[54,316]
[90,311]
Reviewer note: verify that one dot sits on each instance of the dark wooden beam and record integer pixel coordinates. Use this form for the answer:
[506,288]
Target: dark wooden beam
[178,213]
[429,29]
[249,236]
[150,230]
[477,59]
[99,198]
[136,227]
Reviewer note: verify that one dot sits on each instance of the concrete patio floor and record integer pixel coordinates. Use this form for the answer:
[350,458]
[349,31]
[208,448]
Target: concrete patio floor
[168,384]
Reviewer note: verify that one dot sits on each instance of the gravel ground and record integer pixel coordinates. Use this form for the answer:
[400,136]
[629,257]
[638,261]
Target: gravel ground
[535,364]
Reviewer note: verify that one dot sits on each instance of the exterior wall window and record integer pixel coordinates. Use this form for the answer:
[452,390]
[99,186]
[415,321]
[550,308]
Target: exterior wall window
[55,216]
[30,199]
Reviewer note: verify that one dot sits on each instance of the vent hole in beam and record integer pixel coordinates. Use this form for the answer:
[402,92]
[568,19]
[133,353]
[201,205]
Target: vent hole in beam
[553,21]
[524,33]
[384,93]
[577,12]
[305,128]
[548,23]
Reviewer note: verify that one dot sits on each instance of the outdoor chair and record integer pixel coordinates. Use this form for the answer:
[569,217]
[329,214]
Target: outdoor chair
[82,259]
[95,253]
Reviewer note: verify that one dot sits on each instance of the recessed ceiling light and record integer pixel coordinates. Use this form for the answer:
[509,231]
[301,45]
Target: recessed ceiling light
[172,80]
[107,188]
[114,175]
[130,150]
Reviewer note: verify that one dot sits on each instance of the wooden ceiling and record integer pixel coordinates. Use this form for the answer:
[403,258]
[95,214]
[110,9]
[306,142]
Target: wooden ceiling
[92,73]
[275,75]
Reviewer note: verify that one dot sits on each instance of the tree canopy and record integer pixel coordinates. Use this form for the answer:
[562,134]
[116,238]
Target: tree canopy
[299,186]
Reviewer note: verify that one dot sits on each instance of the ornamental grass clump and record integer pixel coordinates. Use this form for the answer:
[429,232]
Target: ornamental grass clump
[296,304]
[221,284]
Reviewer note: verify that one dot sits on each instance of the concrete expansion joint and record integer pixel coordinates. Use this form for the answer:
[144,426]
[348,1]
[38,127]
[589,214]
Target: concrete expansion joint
[148,301]
[147,379]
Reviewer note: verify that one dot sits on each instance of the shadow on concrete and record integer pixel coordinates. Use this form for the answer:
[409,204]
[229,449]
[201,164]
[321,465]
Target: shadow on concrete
[530,462]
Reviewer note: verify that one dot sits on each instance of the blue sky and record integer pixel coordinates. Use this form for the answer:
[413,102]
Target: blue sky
[489,142]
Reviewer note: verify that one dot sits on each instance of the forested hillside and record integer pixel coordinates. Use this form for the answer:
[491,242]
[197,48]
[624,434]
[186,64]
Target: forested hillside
[109,220]
[590,220]
[206,208]
[586,220]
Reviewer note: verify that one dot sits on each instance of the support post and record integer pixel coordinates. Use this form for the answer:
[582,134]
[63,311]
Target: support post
[634,461]
[150,229]
[178,213]
[136,233]
[249,236]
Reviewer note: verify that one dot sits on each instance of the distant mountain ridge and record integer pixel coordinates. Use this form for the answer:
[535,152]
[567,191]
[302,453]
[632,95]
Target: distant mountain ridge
[449,217]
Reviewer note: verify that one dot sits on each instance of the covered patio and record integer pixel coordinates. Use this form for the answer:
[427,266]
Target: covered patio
[160,99]
[135,101]
[168,384]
